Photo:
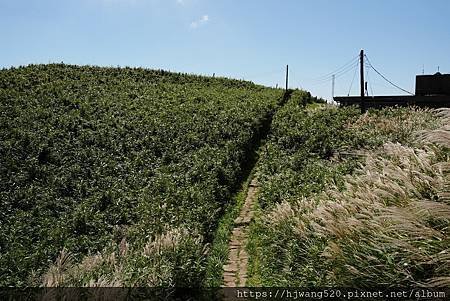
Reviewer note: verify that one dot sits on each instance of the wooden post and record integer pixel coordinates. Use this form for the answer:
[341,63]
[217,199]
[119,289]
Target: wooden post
[287,76]
[361,75]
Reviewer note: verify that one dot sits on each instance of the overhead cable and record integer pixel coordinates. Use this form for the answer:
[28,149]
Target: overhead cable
[371,66]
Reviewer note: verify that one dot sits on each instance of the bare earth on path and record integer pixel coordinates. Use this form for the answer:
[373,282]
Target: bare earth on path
[235,270]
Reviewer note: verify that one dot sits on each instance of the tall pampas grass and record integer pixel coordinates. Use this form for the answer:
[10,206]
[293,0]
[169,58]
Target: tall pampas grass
[55,274]
[156,262]
[391,223]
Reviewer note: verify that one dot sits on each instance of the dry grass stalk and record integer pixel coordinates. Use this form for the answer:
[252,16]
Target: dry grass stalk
[55,275]
[397,208]
[110,270]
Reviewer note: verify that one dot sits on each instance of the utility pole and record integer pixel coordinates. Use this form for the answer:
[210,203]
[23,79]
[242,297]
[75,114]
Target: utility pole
[287,76]
[361,75]
[332,88]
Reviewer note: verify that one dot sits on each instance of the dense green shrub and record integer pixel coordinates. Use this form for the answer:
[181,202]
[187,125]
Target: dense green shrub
[301,144]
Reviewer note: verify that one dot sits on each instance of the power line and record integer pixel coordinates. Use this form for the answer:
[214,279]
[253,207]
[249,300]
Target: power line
[331,76]
[338,70]
[319,83]
[353,79]
[337,75]
[347,70]
[371,66]
[370,82]
[368,78]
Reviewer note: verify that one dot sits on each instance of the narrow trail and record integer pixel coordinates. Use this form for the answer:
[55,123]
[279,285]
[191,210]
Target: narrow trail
[235,270]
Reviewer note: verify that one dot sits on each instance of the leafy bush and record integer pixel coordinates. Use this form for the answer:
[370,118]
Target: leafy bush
[299,149]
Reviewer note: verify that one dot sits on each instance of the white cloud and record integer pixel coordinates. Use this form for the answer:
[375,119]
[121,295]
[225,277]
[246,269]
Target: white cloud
[202,21]
[180,2]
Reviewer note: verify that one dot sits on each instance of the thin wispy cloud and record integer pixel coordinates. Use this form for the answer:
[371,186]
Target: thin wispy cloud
[181,2]
[200,22]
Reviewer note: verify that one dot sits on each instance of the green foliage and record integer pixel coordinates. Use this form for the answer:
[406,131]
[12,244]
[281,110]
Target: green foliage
[304,98]
[219,251]
[91,155]
[301,145]
[311,150]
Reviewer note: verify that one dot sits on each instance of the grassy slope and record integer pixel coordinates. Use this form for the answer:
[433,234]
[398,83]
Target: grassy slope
[305,237]
[118,161]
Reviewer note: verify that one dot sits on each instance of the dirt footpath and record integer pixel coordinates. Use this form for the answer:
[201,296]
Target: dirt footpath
[235,271]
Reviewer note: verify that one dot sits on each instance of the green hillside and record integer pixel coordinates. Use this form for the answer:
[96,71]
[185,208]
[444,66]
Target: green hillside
[135,163]
[136,177]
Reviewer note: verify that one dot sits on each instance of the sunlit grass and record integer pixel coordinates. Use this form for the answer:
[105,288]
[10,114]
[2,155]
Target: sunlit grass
[388,224]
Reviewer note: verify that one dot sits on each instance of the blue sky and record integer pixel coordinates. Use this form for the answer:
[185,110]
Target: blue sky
[249,39]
